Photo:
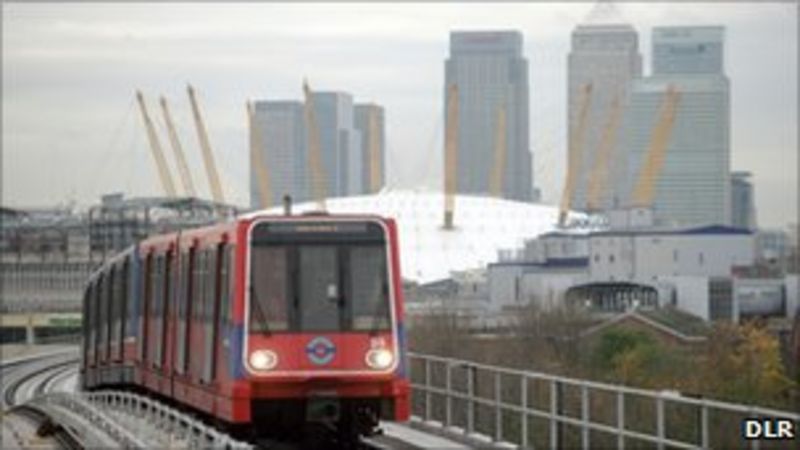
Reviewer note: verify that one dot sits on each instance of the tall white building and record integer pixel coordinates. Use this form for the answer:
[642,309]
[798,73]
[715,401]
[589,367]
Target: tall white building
[604,54]
[693,186]
[642,256]
[490,72]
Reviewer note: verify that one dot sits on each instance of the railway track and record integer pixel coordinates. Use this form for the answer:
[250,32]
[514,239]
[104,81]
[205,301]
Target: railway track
[34,380]
[36,376]
[29,377]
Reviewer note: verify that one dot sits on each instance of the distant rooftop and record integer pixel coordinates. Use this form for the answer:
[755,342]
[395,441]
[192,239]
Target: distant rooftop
[669,320]
[705,230]
[604,12]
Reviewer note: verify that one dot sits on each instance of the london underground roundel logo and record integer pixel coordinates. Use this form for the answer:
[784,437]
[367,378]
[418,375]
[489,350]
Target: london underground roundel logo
[320,350]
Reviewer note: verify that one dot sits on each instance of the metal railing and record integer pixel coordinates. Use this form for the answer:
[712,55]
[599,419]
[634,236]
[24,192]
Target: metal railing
[89,425]
[170,423]
[538,410]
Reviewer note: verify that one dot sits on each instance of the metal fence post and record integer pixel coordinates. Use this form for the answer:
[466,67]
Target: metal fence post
[471,398]
[524,414]
[585,417]
[498,409]
[448,413]
[428,395]
[620,420]
[554,438]
[704,438]
[660,421]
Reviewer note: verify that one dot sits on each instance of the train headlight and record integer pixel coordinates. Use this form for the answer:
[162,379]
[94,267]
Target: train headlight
[379,358]
[263,359]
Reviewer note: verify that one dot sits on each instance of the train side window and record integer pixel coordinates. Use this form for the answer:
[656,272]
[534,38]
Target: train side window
[270,291]
[99,315]
[182,286]
[113,307]
[153,296]
[97,300]
[110,300]
[158,302]
[123,302]
[85,323]
[225,286]
[144,310]
[119,274]
[105,297]
[88,318]
[211,286]
[184,294]
[216,261]
[199,286]
[166,295]
[132,300]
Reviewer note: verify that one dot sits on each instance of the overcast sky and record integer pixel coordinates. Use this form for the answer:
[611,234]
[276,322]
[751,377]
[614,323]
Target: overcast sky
[71,130]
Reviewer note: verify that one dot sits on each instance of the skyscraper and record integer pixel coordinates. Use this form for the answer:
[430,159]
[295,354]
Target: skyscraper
[369,119]
[743,210]
[688,50]
[490,72]
[340,143]
[693,186]
[604,59]
[283,137]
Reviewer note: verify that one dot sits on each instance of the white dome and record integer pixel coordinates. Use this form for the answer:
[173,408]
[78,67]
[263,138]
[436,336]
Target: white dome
[483,225]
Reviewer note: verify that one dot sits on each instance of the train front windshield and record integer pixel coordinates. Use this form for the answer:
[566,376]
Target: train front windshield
[318,277]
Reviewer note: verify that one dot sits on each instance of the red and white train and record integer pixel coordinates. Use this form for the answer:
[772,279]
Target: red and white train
[265,323]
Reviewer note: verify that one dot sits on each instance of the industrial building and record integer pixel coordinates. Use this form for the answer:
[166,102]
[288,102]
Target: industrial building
[48,254]
[643,255]
[490,76]
[709,272]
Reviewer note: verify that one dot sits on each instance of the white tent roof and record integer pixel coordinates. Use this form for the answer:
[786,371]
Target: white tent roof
[483,225]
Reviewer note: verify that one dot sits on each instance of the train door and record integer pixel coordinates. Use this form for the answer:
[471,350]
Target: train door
[98,319]
[198,300]
[89,318]
[144,323]
[122,308]
[165,274]
[209,296]
[222,311]
[154,341]
[109,314]
[87,333]
[185,309]
[212,311]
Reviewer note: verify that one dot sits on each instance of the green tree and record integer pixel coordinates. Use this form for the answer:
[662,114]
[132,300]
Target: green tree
[742,363]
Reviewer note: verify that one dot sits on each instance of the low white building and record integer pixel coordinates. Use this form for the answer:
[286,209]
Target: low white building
[642,255]
[520,283]
[733,298]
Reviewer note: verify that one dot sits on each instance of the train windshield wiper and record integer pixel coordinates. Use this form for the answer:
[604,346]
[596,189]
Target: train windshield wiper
[254,301]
